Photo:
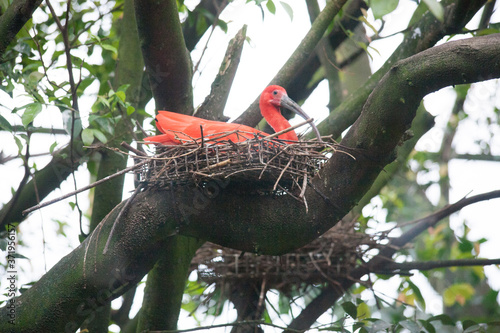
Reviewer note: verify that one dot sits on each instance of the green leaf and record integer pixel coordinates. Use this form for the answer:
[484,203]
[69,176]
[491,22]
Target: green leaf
[19,256]
[271,7]
[35,77]
[372,28]
[130,110]
[436,9]
[358,325]
[109,48]
[223,25]
[4,123]
[99,135]
[379,326]
[287,9]
[418,295]
[363,311]
[458,293]
[123,87]
[466,324]
[382,7]
[19,145]
[411,326]
[427,325]
[32,110]
[350,309]
[87,136]
[52,146]
[103,101]
[121,95]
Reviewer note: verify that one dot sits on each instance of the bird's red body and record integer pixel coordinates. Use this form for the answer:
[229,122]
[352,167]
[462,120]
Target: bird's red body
[178,128]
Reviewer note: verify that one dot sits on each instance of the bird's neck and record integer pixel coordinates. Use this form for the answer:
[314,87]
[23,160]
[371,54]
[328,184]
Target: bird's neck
[276,120]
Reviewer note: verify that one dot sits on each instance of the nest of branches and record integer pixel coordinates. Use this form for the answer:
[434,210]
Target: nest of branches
[327,259]
[269,163]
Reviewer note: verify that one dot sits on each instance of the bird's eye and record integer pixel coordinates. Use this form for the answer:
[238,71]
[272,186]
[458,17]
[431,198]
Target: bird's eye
[275,92]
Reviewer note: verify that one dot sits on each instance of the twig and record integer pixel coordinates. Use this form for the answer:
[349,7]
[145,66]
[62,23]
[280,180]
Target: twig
[99,182]
[289,128]
[282,172]
[238,323]
[268,162]
[132,149]
[24,180]
[431,220]
[140,127]
[220,164]
[122,212]
[290,194]
[395,267]
[304,185]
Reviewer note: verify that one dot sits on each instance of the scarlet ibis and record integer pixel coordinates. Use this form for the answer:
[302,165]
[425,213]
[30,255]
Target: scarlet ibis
[179,128]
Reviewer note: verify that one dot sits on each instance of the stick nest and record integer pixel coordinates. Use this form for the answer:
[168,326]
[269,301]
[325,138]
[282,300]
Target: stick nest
[327,259]
[272,164]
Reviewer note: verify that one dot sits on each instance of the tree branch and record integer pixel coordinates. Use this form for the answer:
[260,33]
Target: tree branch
[300,87]
[168,277]
[190,28]
[396,267]
[165,55]
[330,294]
[457,15]
[285,75]
[12,21]
[81,283]
[47,179]
[213,106]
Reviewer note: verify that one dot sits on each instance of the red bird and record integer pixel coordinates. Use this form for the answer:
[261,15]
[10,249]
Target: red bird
[178,128]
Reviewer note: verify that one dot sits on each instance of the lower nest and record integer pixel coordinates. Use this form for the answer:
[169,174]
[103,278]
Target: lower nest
[327,259]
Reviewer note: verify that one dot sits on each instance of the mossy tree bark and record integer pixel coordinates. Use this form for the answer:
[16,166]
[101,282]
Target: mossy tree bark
[128,72]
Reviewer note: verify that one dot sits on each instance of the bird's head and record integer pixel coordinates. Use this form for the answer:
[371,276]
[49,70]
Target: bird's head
[277,97]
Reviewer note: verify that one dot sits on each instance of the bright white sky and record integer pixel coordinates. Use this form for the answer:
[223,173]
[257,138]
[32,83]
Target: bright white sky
[272,41]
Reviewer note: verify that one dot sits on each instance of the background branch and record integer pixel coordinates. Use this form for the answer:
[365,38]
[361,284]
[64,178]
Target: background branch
[330,294]
[167,60]
[251,116]
[12,21]
[457,15]
[213,106]
[395,267]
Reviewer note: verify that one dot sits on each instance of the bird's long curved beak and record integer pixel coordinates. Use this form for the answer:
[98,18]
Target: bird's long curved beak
[290,104]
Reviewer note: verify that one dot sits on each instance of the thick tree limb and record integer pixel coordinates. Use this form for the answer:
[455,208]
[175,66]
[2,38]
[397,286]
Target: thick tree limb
[82,282]
[166,283]
[14,18]
[422,123]
[167,60]
[261,224]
